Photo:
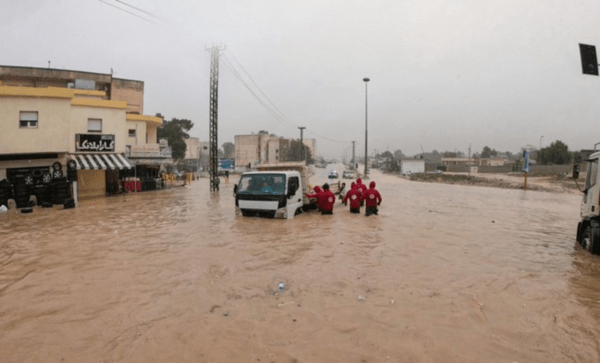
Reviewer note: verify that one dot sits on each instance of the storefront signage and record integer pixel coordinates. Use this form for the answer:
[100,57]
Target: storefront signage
[144,151]
[94,143]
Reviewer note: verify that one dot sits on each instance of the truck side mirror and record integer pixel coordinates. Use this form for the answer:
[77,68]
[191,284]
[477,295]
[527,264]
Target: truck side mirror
[576,171]
[235,189]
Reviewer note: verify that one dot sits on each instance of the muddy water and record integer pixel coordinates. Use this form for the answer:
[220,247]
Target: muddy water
[444,274]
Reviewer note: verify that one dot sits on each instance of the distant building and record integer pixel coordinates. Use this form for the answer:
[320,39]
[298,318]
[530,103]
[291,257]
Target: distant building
[264,148]
[475,161]
[251,150]
[412,166]
[196,153]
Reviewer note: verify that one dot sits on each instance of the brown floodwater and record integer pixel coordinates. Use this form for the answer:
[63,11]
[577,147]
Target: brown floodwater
[444,273]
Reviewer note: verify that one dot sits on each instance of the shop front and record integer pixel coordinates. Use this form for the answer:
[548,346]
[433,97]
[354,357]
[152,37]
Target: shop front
[31,174]
[150,162]
[100,170]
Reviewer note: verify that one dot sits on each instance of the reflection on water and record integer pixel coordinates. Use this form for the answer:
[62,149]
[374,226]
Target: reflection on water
[444,274]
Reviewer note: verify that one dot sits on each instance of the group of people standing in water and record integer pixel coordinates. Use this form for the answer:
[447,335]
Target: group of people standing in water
[358,195]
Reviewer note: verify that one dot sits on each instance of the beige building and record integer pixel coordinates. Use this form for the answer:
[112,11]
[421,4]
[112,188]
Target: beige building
[255,149]
[196,154]
[263,148]
[49,117]
[311,144]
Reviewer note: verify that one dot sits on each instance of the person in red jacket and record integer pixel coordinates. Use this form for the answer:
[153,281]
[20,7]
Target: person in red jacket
[328,200]
[372,199]
[361,189]
[316,195]
[354,196]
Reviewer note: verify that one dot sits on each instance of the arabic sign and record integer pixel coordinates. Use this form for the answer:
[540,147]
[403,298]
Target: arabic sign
[94,143]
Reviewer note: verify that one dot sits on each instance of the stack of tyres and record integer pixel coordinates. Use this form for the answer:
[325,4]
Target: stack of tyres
[21,192]
[58,191]
[5,194]
[41,193]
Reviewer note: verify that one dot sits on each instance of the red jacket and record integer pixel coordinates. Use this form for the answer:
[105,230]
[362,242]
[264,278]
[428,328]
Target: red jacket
[317,195]
[355,198]
[360,187]
[372,196]
[328,200]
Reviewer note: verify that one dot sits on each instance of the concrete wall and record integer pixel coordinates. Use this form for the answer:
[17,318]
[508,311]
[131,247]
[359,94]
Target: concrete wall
[152,132]
[52,133]
[412,165]
[273,151]
[129,91]
[246,150]
[312,146]
[533,170]
[141,129]
[112,123]
[192,144]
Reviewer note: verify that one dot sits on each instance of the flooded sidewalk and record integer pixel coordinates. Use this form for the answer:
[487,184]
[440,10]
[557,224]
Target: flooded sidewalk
[444,273]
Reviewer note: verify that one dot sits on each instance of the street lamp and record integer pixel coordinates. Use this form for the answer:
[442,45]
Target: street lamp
[541,137]
[366,80]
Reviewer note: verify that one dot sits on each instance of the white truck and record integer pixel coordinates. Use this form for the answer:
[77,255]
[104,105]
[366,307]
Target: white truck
[588,229]
[273,190]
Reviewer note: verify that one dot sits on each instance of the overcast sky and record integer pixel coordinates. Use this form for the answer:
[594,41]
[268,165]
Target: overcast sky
[444,73]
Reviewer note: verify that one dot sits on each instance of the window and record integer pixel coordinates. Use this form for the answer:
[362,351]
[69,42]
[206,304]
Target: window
[28,119]
[94,125]
[592,171]
[131,132]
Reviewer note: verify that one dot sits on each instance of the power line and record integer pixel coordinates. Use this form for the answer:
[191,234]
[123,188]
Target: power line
[274,111]
[259,89]
[138,9]
[129,12]
[229,66]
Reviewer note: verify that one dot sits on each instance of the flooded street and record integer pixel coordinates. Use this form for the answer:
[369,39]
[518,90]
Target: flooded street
[445,273]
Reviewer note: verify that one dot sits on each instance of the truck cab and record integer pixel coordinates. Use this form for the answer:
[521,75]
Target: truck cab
[272,194]
[588,229]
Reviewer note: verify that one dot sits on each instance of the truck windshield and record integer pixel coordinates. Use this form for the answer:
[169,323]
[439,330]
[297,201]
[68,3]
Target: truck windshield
[273,184]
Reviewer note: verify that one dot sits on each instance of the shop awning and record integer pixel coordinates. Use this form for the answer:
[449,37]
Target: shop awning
[98,161]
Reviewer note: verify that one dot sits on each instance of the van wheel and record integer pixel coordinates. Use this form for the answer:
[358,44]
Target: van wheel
[586,239]
[298,211]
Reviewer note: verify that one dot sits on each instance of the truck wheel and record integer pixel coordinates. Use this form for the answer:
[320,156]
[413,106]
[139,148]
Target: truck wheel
[586,239]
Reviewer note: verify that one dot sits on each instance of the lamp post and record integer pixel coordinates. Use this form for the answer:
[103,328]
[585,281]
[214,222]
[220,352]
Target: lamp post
[541,137]
[198,160]
[366,80]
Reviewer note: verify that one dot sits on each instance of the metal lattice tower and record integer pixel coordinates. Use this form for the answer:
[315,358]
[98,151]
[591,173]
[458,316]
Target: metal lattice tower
[214,113]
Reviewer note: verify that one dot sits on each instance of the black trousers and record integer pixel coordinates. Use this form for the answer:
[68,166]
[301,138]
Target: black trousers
[371,210]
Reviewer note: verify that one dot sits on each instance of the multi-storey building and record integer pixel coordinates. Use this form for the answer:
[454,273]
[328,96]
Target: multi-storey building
[50,116]
[263,148]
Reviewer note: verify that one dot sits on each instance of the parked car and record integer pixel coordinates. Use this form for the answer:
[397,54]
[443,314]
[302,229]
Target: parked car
[348,174]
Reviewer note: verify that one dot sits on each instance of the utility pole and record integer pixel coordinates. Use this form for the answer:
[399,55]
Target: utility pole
[469,161]
[353,162]
[214,113]
[302,158]
[366,176]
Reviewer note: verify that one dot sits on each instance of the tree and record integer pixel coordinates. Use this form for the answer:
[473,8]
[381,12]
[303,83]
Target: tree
[229,150]
[399,155]
[294,152]
[175,131]
[386,155]
[557,153]
[487,153]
